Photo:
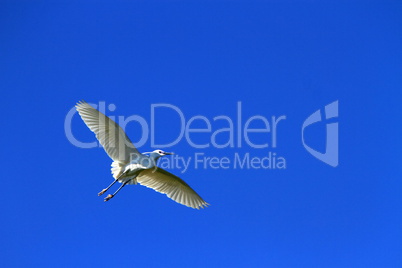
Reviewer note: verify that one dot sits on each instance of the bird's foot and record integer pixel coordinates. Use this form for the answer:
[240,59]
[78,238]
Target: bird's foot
[110,196]
[102,192]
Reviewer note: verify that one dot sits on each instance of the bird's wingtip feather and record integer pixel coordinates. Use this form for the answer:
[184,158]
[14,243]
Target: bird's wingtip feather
[80,103]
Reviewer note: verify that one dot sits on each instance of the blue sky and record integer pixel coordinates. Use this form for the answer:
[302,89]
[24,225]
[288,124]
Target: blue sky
[276,59]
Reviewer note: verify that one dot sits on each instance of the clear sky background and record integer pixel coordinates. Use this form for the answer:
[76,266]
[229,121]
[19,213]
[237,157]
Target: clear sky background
[276,58]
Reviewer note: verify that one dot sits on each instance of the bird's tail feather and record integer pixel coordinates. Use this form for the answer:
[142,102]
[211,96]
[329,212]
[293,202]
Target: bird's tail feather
[117,169]
[118,173]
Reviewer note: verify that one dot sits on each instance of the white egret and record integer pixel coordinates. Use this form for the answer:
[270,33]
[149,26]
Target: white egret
[130,166]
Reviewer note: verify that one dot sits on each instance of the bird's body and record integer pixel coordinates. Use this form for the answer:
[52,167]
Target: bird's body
[130,166]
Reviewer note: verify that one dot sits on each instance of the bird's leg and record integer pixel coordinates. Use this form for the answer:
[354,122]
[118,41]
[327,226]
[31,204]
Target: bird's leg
[110,196]
[107,188]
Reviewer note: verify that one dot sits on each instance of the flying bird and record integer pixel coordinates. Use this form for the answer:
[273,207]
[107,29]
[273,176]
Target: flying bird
[130,166]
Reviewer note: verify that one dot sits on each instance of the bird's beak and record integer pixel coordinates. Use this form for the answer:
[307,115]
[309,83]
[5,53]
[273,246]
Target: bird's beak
[166,153]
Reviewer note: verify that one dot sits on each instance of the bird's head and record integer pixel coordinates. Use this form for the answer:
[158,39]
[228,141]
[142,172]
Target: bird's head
[157,153]
[161,153]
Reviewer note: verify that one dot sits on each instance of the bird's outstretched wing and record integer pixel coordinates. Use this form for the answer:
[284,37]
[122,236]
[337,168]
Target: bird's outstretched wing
[112,137]
[175,188]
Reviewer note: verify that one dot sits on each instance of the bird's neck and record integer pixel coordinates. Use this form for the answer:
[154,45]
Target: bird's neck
[154,157]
